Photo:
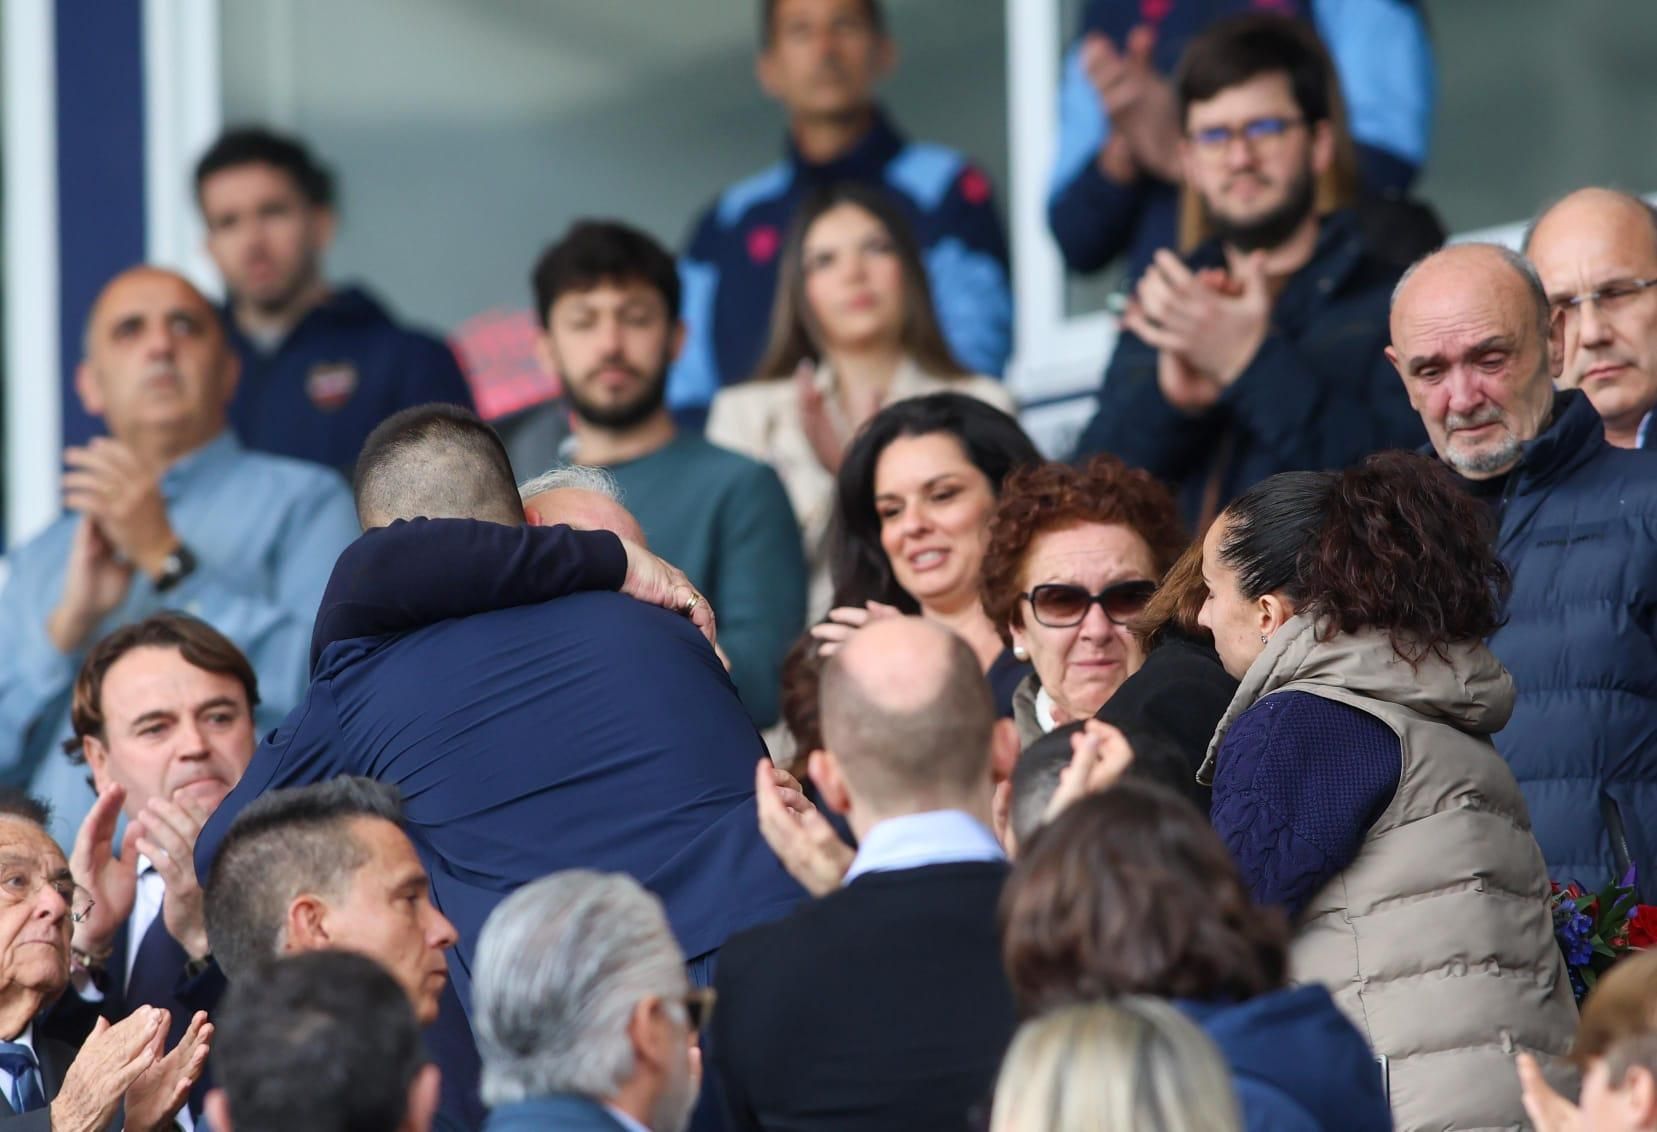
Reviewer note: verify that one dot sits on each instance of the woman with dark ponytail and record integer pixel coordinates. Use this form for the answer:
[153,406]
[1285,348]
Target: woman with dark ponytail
[1356,785]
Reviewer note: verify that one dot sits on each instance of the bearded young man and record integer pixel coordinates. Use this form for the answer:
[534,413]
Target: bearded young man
[608,298]
[1260,352]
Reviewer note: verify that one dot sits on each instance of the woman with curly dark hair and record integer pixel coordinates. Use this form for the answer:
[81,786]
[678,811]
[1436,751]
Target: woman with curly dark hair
[1356,785]
[1074,555]
[1129,892]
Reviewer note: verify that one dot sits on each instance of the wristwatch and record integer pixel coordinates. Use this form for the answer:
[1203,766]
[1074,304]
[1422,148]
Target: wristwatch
[180,564]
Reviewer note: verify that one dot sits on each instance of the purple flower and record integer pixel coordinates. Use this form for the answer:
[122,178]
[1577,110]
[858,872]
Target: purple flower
[1576,939]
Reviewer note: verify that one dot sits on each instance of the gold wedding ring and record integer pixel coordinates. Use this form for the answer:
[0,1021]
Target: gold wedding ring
[690,606]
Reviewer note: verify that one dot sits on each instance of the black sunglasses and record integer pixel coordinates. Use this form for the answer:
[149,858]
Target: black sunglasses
[1059,606]
[698,1007]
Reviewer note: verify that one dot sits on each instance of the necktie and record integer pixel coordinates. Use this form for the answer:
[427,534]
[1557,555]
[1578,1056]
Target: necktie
[19,1061]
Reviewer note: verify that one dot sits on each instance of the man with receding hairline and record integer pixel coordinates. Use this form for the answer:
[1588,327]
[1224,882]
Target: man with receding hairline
[1596,251]
[1478,347]
[906,1011]
[168,510]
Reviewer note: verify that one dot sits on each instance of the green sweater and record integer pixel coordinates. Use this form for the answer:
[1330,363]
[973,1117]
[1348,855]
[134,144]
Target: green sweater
[725,521]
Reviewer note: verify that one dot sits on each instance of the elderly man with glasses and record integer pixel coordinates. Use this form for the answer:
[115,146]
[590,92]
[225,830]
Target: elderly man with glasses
[584,1015]
[45,1084]
[1479,346]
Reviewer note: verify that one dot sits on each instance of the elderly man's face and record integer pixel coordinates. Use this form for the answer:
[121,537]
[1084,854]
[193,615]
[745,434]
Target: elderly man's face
[1466,340]
[1596,242]
[156,359]
[35,895]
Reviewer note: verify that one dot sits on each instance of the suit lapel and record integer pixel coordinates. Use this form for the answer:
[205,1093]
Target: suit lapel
[54,1057]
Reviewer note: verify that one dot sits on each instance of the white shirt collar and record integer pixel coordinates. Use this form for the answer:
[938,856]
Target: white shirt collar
[1644,429]
[626,1121]
[27,1038]
[1044,711]
[911,841]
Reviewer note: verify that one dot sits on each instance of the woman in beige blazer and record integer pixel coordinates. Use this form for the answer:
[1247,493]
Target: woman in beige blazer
[853,329]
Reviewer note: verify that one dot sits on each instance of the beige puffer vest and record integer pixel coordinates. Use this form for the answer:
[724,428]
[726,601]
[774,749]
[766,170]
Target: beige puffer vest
[1437,941]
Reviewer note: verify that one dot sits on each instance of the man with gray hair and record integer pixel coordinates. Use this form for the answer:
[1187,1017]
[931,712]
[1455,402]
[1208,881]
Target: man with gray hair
[1478,347]
[583,1012]
[883,1004]
[579,496]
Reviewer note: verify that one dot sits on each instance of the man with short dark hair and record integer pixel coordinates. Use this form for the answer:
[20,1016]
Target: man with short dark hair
[330,867]
[1478,347]
[1260,352]
[608,300]
[163,718]
[822,60]
[323,1042]
[906,1011]
[592,730]
[1596,252]
[167,510]
[320,366]
[584,1015]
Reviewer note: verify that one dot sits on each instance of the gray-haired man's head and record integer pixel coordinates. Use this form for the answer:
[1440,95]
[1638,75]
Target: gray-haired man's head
[581,496]
[580,988]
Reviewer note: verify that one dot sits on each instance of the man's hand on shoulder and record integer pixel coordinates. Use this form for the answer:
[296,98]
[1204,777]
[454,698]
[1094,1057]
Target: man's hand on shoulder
[656,581]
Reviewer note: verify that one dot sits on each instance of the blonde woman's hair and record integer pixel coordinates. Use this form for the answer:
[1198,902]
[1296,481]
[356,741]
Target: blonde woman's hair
[1131,1065]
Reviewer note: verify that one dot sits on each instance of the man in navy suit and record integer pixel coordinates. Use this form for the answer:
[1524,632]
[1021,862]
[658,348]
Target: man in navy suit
[591,731]
[585,1017]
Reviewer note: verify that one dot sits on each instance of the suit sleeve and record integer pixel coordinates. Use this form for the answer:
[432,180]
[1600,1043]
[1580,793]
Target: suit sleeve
[34,676]
[966,265]
[397,578]
[726,1046]
[431,372]
[1308,421]
[695,378]
[1385,60]
[760,594]
[1136,423]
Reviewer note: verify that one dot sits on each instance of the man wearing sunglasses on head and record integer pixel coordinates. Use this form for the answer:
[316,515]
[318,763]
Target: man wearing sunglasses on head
[1260,352]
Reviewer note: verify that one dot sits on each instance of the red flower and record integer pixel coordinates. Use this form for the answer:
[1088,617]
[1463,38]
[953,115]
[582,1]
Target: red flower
[763,243]
[1642,927]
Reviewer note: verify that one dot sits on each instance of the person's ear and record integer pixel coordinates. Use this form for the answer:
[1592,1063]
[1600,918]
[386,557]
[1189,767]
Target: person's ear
[1004,750]
[768,72]
[230,371]
[306,926]
[1001,817]
[1323,146]
[677,343]
[651,1034]
[886,58]
[86,388]
[1274,610]
[1556,344]
[97,761]
[217,1107]
[824,769]
[325,223]
[1637,1096]
[533,517]
[545,355]
[424,1092]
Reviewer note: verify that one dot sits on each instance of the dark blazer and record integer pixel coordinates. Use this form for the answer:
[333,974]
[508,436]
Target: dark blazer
[882,1006]
[54,1057]
[561,1113]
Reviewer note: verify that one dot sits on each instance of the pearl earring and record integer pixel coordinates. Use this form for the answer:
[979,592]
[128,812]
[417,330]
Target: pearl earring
[1022,654]
[1264,639]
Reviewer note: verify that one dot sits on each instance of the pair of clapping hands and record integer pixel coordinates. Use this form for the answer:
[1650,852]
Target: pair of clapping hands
[128,1062]
[813,854]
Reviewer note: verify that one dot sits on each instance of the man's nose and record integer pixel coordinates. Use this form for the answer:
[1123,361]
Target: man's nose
[1593,328]
[1464,391]
[440,931]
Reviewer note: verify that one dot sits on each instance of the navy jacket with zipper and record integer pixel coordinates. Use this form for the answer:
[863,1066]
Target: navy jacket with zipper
[1579,532]
[1318,393]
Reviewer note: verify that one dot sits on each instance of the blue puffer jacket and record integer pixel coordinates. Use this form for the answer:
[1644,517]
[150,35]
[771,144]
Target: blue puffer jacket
[1579,532]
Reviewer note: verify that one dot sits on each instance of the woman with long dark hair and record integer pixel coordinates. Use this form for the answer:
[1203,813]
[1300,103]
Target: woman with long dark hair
[853,329]
[1356,784]
[913,503]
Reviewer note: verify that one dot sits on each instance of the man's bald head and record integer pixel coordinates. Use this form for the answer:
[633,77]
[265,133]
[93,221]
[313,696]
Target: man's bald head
[907,713]
[1477,347]
[435,461]
[1596,251]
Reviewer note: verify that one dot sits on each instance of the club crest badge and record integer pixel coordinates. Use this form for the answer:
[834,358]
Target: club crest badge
[329,385]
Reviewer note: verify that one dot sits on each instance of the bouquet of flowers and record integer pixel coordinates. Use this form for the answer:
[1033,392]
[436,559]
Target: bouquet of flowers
[1595,929]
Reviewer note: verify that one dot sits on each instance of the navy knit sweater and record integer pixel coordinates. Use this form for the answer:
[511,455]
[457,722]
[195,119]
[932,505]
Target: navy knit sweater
[1298,782]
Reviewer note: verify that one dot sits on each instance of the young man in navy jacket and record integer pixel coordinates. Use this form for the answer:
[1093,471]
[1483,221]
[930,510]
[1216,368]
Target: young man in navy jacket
[320,366]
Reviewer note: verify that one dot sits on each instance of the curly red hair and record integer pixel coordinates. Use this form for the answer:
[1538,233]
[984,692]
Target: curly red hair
[1047,497]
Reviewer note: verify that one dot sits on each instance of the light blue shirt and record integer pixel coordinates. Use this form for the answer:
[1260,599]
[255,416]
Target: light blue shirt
[937,837]
[265,531]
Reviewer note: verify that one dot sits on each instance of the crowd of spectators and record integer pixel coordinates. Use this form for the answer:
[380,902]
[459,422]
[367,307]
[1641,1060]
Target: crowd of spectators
[849,765]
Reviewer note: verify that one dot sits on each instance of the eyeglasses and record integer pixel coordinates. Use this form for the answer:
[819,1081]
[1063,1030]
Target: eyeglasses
[1256,132]
[1059,606]
[1607,299]
[699,1007]
[20,883]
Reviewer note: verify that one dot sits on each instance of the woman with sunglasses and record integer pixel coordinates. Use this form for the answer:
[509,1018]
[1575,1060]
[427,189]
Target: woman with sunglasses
[1074,555]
